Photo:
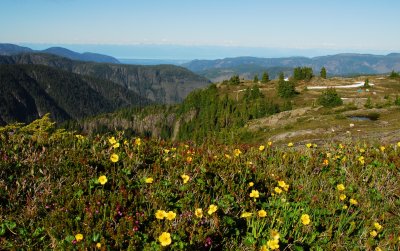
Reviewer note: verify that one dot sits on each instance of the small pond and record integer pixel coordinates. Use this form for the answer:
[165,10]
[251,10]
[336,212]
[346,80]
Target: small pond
[359,118]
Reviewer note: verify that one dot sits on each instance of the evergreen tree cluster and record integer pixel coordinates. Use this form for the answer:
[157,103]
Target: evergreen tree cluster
[303,73]
[330,98]
[394,75]
[217,116]
[286,89]
[323,73]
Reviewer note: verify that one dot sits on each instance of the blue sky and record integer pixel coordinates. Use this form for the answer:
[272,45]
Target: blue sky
[287,26]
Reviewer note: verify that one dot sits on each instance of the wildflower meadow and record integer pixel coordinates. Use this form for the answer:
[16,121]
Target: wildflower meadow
[64,191]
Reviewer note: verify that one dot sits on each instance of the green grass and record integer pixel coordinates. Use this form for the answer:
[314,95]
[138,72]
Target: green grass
[50,193]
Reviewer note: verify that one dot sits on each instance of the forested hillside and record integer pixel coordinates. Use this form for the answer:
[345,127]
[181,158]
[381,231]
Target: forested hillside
[30,91]
[160,84]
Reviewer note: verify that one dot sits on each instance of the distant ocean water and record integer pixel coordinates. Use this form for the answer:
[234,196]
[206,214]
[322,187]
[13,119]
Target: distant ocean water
[152,61]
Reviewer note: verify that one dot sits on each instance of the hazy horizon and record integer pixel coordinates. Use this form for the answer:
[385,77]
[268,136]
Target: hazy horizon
[204,29]
[187,53]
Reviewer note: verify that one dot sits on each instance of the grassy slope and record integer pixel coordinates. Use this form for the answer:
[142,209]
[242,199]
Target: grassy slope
[50,193]
[321,124]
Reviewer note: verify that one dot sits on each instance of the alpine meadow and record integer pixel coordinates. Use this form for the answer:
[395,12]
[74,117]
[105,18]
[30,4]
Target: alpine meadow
[199,125]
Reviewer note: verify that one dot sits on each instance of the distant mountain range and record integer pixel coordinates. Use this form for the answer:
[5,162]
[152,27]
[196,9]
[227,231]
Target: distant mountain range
[340,64]
[12,49]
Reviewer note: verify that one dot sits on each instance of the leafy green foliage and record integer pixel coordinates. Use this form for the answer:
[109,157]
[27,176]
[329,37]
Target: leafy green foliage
[330,98]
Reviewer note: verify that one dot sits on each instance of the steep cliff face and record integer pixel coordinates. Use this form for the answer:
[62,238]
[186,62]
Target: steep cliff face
[165,84]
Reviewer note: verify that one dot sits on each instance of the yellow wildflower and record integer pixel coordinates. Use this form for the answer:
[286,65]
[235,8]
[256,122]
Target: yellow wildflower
[116,145]
[254,194]
[281,183]
[166,151]
[261,148]
[377,226]
[273,244]
[102,179]
[378,249]
[198,212]
[185,178]
[382,148]
[189,159]
[261,213]
[212,209]
[275,234]
[361,160]
[165,239]
[98,245]
[126,142]
[340,187]
[112,140]
[270,143]
[326,162]
[237,152]
[373,233]
[286,187]
[264,248]
[170,215]
[290,144]
[353,202]
[78,237]
[398,144]
[362,150]
[251,184]
[246,215]
[341,146]
[308,145]
[305,219]
[161,214]
[342,196]
[114,157]
[345,207]
[149,180]
[79,137]
[138,141]
[277,190]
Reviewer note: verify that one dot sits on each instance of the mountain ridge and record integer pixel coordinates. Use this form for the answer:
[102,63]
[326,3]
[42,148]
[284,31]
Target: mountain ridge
[337,64]
[30,91]
[160,83]
[12,49]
